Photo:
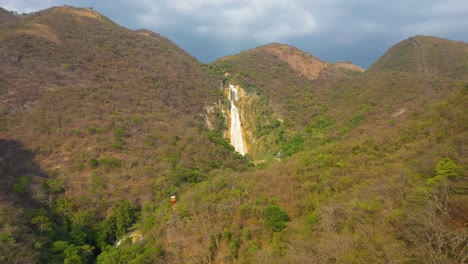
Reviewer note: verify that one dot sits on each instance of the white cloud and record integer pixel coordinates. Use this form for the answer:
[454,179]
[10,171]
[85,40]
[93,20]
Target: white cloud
[445,8]
[26,6]
[263,20]
[190,6]
[150,13]
[240,16]
[299,23]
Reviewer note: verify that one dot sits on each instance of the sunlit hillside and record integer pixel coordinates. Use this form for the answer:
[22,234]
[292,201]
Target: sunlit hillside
[427,56]
[100,126]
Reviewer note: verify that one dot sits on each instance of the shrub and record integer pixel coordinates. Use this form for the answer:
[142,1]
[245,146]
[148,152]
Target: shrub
[93,162]
[312,219]
[119,132]
[22,184]
[75,131]
[181,175]
[111,162]
[117,146]
[53,186]
[91,130]
[149,142]
[233,248]
[293,145]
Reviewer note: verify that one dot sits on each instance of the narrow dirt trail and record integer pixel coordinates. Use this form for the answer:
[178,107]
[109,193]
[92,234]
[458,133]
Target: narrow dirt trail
[422,66]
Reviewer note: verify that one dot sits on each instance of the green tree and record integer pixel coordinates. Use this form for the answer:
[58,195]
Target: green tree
[71,253]
[447,168]
[275,218]
[182,174]
[121,216]
[43,222]
[131,253]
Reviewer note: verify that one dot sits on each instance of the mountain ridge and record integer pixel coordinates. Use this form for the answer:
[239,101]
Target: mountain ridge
[304,63]
[83,52]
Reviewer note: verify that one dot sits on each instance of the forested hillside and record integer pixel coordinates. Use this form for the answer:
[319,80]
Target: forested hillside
[101,125]
[107,114]
[427,56]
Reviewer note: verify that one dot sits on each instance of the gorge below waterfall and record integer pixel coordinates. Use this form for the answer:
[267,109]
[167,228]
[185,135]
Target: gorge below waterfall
[236,135]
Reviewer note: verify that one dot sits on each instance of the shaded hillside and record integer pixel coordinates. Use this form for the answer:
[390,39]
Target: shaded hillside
[6,17]
[426,55]
[17,169]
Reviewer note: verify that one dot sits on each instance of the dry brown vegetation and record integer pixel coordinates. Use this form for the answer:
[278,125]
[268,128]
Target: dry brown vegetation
[307,65]
[427,56]
[100,125]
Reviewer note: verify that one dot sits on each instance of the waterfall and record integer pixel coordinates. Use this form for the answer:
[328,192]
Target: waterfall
[237,139]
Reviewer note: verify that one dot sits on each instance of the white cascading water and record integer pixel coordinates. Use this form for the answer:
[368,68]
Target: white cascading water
[237,139]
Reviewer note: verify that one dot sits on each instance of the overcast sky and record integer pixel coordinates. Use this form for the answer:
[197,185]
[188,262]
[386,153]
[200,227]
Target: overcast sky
[332,30]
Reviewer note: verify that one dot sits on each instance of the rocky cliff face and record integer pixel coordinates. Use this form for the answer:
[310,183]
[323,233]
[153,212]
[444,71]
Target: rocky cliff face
[307,65]
[256,117]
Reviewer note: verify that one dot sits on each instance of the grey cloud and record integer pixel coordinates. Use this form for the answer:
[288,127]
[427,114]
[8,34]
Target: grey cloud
[360,30]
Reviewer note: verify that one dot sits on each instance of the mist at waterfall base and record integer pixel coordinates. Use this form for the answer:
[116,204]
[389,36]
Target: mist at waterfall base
[237,140]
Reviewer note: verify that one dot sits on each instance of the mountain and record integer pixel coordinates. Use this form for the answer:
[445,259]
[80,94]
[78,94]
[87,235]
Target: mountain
[101,109]
[282,73]
[77,87]
[59,47]
[427,56]
[285,104]
[100,126]
[364,156]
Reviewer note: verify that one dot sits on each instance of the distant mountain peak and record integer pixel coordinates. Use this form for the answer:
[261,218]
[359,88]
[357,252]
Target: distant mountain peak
[426,55]
[303,62]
